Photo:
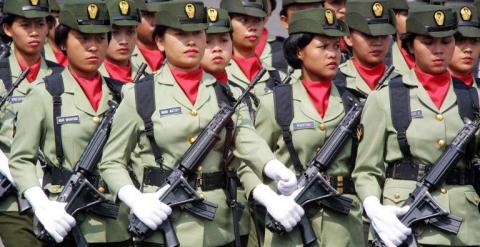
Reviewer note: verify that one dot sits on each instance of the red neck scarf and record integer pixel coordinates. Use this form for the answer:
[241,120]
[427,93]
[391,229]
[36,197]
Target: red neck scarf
[467,79]
[262,43]
[221,77]
[61,58]
[154,57]
[409,58]
[436,85]
[318,91]
[92,88]
[249,66]
[343,45]
[370,75]
[189,82]
[34,69]
[119,72]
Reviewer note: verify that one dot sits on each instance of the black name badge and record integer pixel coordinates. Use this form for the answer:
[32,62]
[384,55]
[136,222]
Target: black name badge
[68,119]
[16,99]
[170,111]
[303,125]
[417,114]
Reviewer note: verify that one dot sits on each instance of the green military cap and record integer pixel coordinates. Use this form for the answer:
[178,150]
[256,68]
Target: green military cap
[415,3]
[151,5]
[317,21]
[54,5]
[398,5]
[27,8]
[186,16]
[123,12]
[369,17]
[432,20]
[86,16]
[467,16]
[286,3]
[218,21]
[254,8]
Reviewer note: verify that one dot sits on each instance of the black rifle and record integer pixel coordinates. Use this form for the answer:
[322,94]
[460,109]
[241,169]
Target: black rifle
[5,97]
[423,207]
[4,47]
[181,193]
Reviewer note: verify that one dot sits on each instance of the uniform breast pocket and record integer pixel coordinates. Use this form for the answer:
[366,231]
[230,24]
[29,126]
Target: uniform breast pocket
[473,198]
[396,192]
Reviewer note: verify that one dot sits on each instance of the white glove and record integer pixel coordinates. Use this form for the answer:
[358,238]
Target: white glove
[146,206]
[281,208]
[4,169]
[385,222]
[286,179]
[56,221]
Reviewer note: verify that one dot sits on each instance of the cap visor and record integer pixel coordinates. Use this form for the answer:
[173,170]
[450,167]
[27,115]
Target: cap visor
[125,23]
[192,27]
[35,14]
[442,34]
[381,29]
[214,30]
[469,32]
[94,28]
[255,12]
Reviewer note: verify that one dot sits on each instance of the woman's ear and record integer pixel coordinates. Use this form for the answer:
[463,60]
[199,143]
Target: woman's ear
[348,40]
[410,46]
[7,30]
[160,41]
[300,54]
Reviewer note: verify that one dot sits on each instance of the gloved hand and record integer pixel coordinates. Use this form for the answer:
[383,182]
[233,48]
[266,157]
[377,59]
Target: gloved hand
[286,179]
[56,221]
[385,221]
[281,208]
[4,169]
[146,206]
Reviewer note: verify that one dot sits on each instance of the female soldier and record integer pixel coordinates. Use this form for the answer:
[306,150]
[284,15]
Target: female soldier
[51,50]
[185,100]
[467,43]
[124,16]
[313,48]
[369,41]
[84,97]
[218,51]
[25,25]
[418,137]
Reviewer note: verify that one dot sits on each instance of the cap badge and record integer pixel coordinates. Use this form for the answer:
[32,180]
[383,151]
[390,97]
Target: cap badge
[190,10]
[92,11]
[329,16]
[124,7]
[439,17]
[212,14]
[377,9]
[34,2]
[466,14]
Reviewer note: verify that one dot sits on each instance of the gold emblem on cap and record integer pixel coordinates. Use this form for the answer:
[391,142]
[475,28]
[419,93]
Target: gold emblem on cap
[377,9]
[190,10]
[34,2]
[124,7]
[212,14]
[329,16]
[466,13]
[439,17]
[92,11]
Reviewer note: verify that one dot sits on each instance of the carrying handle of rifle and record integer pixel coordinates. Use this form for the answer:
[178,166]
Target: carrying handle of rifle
[254,82]
[140,72]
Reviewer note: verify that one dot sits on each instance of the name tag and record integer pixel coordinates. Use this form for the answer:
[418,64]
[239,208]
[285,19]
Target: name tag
[303,125]
[417,114]
[68,119]
[16,99]
[170,111]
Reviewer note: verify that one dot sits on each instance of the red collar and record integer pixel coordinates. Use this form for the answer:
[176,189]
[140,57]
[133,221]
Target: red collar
[467,79]
[262,43]
[61,58]
[370,75]
[318,92]
[189,82]
[436,85]
[119,72]
[92,88]
[221,77]
[249,66]
[409,58]
[154,58]
[34,69]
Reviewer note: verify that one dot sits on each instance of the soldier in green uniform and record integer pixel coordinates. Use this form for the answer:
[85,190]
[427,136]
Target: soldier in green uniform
[290,6]
[369,40]
[62,134]
[124,17]
[24,23]
[50,50]
[313,48]
[185,101]
[467,43]
[398,146]
[339,6]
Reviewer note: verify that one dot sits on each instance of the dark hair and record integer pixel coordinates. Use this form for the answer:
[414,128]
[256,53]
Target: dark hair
[61,35]
[7,19]
[293,44]
[159,31]
[407,41]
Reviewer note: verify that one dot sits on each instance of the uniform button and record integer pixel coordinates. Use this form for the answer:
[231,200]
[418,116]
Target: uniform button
[397,195]
[444,190]
[322,127]
[191,140]
[441,143]
[199,168]
[101,189]
[194,113]
[96,119]
[439,117]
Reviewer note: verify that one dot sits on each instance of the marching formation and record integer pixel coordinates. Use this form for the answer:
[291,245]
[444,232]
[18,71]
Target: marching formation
[171,123]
